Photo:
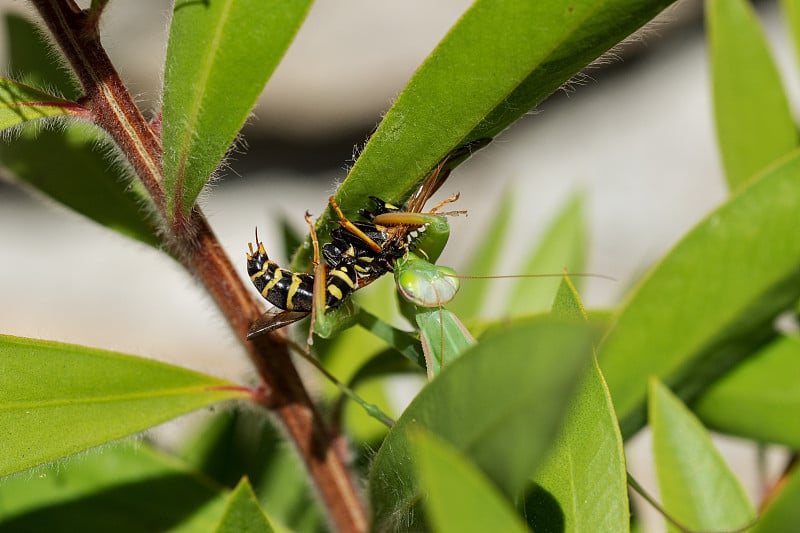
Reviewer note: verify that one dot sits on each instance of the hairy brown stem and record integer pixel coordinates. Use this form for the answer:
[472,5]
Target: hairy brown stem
[197,247]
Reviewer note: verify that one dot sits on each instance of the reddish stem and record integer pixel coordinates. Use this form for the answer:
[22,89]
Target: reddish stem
[198,249]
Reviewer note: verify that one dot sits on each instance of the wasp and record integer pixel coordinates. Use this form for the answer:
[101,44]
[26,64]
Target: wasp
[359,253]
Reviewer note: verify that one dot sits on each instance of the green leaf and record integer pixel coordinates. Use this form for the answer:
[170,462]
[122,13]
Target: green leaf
[33,61]
[584,474]
[243,512]
[243,442]
[754,123]
[80,170]
[219,57]
[122,488]
[457,495]
[760,398]
[711,301]
[472,298]
[59,399]
[510,388]
[562,247]
[493,66]
[567,303]
[782,513]
[791,9]
[697,487]
[20,104]
[82,176]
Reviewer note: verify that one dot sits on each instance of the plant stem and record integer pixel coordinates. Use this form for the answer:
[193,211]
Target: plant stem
[198,249]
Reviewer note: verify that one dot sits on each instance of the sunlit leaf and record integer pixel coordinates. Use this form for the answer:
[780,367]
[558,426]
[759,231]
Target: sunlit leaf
[697,487]
[59,399]
[711,301]
[513,386]
[219,57]
[754,124]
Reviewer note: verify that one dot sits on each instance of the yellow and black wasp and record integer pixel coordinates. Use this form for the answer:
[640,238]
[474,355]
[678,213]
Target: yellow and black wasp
[359,253]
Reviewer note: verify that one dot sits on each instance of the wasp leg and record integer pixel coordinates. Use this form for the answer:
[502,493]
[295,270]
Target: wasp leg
[352,228]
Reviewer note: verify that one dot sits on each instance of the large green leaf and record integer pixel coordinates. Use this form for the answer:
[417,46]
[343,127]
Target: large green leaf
[697,487]
[20,104]
[79,170]
[759,399]
[584,475]
[458,496]
[122,488]
[754,123]
[59,399]
[219,57]
[500,60]
[712,299]
[510,388]
[243,512]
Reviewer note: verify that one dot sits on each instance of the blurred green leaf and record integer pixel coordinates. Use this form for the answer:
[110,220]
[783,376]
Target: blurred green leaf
[754,123]
[463,93]
[122,488]
[60,399]
[219,57]
[782,513]
[563,246]
[243,512]
[33,61]
[79,170]
[82,176]
[510,388]
[760,398]
[243,442]
[472,297]
[20,104]
[585,472]
[712,299]
[791,9]
[457,495]
[697,487]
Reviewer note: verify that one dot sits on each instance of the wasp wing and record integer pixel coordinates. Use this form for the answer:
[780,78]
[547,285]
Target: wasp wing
[274,318]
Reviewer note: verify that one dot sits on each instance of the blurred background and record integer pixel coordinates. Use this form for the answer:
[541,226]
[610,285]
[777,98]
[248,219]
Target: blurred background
[634,137]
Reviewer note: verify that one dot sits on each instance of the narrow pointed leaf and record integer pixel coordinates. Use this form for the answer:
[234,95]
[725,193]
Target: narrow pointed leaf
[759,399]
[697,487]
[243,512]
[563,246]
[122,488]
[725,282]
[219,57]
[511,387]
[754,124]
[585,470]
[20,104]
[59,399]
[458,497]
[80,170]
[495,64]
